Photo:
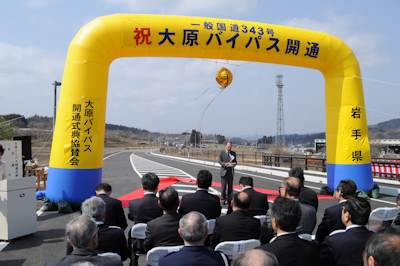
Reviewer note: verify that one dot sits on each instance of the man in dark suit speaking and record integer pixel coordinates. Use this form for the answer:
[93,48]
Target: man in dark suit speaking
[227,160]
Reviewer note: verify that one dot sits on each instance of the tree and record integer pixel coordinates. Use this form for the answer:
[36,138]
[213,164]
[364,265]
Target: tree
[195,137]
[220,139]
[6,129]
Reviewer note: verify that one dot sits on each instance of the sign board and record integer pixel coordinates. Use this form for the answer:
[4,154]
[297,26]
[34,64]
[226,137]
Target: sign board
[13,158]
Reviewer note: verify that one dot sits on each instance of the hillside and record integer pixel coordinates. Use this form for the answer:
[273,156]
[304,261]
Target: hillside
[40,126]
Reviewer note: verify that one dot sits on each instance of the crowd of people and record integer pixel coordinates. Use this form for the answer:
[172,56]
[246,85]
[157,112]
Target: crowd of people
[97,235]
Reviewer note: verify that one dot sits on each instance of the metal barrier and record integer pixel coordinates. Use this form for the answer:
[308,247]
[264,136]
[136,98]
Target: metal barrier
[381,168]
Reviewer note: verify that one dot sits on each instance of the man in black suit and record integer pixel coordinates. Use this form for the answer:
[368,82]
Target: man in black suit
[227,160]
[307,195]
[146,209]
[110,238]
[163,230]
[238,225]
[201,200]
[82,235]
[115,213]
[259,201]
[332,219]
[290,188]
[193,230]
[383,248]
[347,248]
[288,248]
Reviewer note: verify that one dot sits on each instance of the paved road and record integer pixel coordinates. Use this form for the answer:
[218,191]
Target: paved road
[123,171]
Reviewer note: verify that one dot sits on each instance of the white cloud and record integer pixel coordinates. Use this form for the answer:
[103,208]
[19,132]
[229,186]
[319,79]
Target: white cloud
[185,7]
[26,77]
[36,4]
[365,45]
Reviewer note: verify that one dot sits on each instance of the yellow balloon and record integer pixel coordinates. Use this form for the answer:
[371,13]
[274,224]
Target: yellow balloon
[224,77]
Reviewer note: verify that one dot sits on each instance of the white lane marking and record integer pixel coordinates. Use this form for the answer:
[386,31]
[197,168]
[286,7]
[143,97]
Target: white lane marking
[142,166]
[384,201]
[113,155]
[262,177]
[161,171]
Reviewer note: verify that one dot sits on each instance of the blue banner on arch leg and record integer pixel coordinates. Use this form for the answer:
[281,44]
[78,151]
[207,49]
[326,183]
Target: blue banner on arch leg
[361,174]
[72,185]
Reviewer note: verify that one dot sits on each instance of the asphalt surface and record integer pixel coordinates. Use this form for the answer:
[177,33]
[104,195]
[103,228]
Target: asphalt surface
[50,242]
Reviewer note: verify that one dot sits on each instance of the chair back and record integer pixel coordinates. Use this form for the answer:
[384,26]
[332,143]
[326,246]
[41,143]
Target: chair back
[232,248]
[262,218]
[110,255]
[384,214]
[210,226]
[307,237]
[337,232]
[155,253]
[138,231]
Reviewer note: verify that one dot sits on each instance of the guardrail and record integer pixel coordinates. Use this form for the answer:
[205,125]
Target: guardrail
[381,168]
[290,161]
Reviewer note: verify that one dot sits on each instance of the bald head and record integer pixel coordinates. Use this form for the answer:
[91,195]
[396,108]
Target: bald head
[241,201]
[255,257]
[292,187]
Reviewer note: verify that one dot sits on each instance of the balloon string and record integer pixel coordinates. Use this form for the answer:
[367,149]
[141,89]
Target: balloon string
[201,122]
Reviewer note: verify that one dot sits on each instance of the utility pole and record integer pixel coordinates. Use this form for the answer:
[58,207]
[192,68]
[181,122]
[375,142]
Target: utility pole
[55,102]
[280,122]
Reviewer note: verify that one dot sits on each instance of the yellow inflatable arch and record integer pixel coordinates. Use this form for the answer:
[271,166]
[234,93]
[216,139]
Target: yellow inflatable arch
[77,152]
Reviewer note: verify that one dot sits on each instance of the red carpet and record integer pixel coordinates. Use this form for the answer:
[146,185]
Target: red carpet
[168,181]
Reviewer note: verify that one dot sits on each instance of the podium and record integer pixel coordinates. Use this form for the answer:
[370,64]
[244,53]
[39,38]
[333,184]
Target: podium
[17,207]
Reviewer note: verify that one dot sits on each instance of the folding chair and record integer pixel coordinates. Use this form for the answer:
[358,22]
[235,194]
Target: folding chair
[110,255]
[307,237]
[232,248]
[210,226]
[155,253]
[383,214]
[262,218]
[137,232]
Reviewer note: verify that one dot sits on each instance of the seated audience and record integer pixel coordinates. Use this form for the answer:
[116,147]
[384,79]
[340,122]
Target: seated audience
[290,188]
[115,213]
[307,195]
[288,248]
[332,219]
[259,201]
[255,257]
[347,248]
[82,236]
[193,230]
[110,238]
[146,209]
[201,200]
[238,225]
[163,230]
[383,248]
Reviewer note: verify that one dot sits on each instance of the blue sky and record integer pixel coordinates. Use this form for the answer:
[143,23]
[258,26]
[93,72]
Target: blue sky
[159,94]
